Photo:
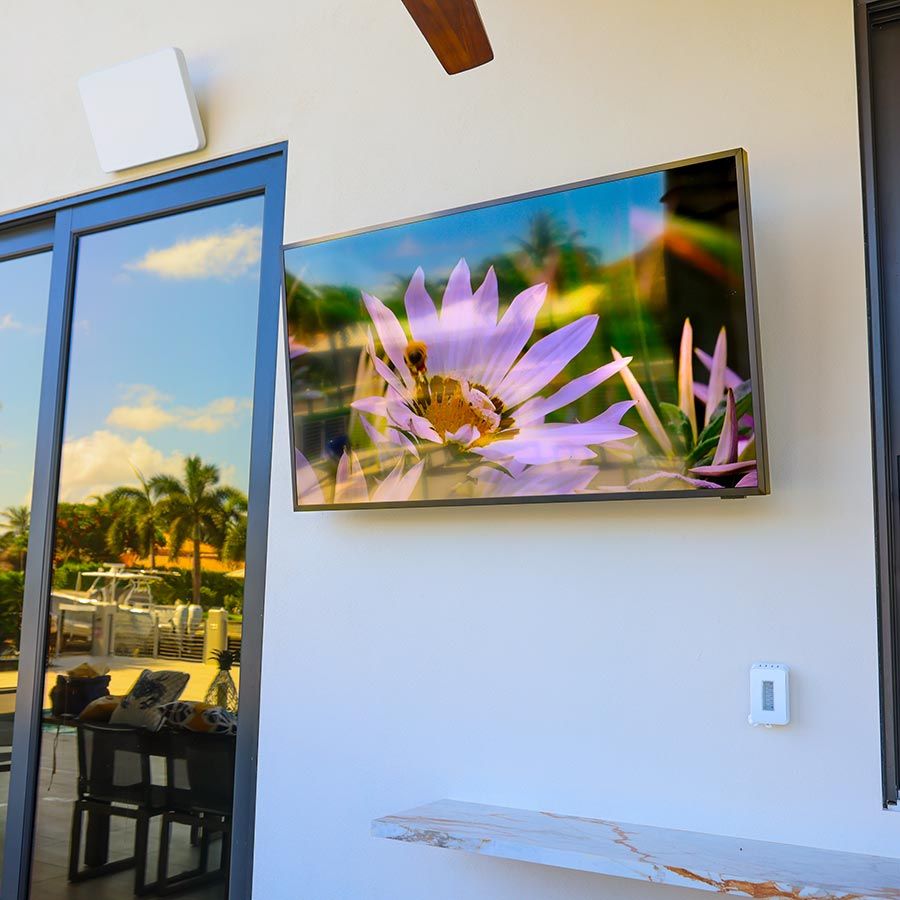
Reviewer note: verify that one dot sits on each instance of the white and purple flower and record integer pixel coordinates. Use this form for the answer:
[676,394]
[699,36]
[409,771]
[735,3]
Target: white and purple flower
[460,378]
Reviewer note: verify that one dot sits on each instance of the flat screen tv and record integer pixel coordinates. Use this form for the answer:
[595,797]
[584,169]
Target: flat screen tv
[593,341]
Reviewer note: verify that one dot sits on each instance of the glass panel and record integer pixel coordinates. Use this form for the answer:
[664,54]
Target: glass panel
[137,752]
[24,292]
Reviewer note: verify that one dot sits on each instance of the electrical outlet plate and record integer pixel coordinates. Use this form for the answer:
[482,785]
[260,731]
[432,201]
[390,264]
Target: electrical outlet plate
[770,702]
[142,110]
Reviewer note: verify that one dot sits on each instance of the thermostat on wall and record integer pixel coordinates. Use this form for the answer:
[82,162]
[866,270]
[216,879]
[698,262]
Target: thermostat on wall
[142,110]
[769,694]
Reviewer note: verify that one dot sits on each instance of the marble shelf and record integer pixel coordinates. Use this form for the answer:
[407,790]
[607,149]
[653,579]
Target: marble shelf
[709,862]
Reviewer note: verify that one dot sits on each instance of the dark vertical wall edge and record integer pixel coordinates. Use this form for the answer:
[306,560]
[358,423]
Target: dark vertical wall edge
[882,468]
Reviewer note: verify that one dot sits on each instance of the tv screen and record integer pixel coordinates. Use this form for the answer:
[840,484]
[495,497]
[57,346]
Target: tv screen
[587,342]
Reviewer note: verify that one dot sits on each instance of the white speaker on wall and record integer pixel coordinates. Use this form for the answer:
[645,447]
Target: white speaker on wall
[142,110]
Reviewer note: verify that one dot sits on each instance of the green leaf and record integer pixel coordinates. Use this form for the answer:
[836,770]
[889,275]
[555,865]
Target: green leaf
[677,425]
[743,402]
[703,451]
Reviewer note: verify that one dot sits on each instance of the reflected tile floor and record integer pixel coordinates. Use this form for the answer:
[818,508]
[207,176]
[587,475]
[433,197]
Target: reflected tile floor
[56,793]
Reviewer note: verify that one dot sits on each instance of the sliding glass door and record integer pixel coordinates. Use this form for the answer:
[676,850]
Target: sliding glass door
[134,747]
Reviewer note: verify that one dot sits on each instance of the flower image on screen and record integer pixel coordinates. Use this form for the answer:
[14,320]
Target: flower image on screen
[592,341]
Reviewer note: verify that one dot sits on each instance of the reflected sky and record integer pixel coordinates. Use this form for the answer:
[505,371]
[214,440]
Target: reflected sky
[149,299]
[602,214]
[24,288]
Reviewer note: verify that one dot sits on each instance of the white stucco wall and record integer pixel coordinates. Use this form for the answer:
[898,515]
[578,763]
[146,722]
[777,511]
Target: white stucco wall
[540,656]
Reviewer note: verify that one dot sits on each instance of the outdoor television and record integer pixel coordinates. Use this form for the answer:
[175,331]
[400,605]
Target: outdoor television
[593,341]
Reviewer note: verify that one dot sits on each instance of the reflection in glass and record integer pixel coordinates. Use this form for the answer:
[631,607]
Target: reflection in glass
[24,291]
[144,634]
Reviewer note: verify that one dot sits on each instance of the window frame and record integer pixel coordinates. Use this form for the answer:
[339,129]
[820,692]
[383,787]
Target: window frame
[260,172]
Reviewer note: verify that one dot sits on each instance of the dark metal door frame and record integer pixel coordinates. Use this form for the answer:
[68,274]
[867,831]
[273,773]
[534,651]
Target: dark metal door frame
[869,16]
[254,173]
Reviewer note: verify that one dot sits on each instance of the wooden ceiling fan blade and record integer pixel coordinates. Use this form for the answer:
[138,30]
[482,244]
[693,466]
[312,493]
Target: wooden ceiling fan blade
[454,31]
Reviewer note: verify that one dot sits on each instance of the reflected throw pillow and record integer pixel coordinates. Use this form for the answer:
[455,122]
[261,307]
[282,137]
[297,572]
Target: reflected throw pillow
[152,690]
[194,716]
[99,711]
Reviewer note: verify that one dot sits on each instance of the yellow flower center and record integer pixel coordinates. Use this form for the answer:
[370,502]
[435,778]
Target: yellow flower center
[449,405]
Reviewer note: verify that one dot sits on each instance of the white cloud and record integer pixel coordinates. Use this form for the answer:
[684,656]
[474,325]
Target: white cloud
[9,322]
[223,254]
[146,409]
[103,460]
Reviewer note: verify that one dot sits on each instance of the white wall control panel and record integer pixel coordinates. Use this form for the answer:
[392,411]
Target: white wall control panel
[142,110]
[770,702]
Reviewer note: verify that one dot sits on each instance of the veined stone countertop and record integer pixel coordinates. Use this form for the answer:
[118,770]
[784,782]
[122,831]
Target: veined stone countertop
[725,865]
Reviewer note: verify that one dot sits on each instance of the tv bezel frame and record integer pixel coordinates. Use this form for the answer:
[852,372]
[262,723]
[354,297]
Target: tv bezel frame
[740,157]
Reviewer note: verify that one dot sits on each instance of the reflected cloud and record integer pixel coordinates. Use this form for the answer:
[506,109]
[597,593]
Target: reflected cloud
[9,322]
[224,254]
[147,409]
[103,460]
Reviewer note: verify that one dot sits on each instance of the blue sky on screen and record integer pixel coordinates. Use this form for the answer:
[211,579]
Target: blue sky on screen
[162,354]
[602,212]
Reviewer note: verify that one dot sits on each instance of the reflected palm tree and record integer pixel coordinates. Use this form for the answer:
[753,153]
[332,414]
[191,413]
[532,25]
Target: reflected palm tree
[17,521]
[234,526]
[142,516]
[234,550]
[195,508]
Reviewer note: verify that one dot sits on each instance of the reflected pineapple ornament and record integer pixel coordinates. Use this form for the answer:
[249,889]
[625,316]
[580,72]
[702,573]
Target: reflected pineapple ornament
[222,691]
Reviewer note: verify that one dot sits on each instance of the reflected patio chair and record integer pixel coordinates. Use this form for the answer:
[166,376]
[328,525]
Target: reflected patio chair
[200,778]
[113,781]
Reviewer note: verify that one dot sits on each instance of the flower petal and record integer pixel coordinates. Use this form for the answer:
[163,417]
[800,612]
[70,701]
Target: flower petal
[390,333]
[751,479]
[465,435]
[648,481]
[487,298]
[725,468]
[716,376]
[398,487]
[727,448]
[550,480]
[552,442]
[424,324]
[534,450]
[645,409]
[349,482]
[538,407]
[457,318]
[732,379]
[295,349]
[545,360]
[309,490]
[403,417]
[686,377]
[511,334]
[382,369]
[401,440]
[485,308]
[375,405]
